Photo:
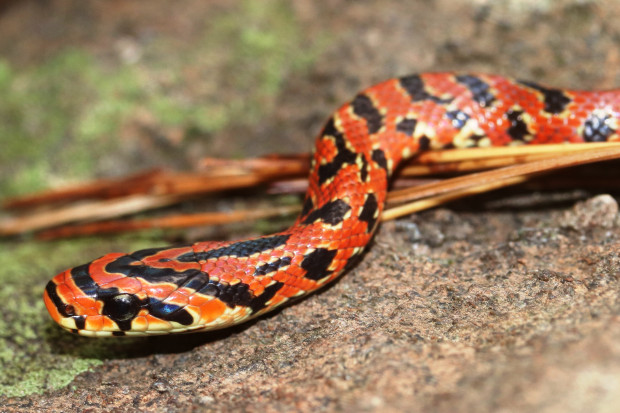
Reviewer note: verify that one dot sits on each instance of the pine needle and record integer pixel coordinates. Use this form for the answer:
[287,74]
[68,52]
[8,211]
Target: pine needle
[108,198]
[450,189]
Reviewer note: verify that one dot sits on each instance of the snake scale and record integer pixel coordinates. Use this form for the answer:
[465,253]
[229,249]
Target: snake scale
[211,285]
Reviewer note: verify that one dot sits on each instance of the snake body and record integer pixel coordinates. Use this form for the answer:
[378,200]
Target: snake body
[211,285]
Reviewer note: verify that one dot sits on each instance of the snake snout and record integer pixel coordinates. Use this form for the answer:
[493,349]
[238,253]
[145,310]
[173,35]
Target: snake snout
[61,304]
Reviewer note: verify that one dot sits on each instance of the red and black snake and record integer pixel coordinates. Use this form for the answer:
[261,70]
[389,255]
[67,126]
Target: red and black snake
[211,285]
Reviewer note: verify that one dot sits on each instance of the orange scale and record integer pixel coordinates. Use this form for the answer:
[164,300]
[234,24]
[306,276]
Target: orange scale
[160,291]
[345,243]
[342,253]
[199,299]
[357,227]
[252,262]
[178,297]
[140,323]
[63,278]
[277,253]
[574,121]
[127,285]
[502,141]
[67,294]
[94,323]
[179,266]
[254,284]
[257,289]
[208,266]
[89,306]
[243,274]
[579,99]
[246,279]
[304,284]
[282,277]
[213,271]
[361,240]
[556,122]
[329,232]
[262,257]
[194,311]
[156,324]
[98,265]
[288,291]
[103,277]
[339,262]
[211,310]
[227,268]
[313,284]
[277,299]
[328,150]
[296,271]
[532,103]
[574,138]
[264,281]
[339,267]
[312,231]
[336,245]
[345,115]
[582,114]
[226,277]
[350,252]
[108,325]
[347,226]
[188,292]
[564,130]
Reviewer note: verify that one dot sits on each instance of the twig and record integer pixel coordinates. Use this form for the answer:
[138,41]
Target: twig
[157,188]
[454,188]
[173,221]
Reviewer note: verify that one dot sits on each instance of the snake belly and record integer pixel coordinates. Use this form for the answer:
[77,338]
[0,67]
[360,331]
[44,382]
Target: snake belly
[211,285]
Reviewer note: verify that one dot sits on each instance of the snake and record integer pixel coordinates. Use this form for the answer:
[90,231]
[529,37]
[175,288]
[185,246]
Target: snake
[215,284]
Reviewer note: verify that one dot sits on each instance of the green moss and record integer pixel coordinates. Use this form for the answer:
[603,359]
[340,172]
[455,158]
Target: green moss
[60,118]
[31,381]
[256,57]
[35,354]
[37,117]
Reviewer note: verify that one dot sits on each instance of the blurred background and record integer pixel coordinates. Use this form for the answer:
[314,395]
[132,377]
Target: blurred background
[103,88]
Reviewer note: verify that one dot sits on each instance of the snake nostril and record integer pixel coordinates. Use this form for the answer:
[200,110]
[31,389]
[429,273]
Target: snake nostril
[69,310]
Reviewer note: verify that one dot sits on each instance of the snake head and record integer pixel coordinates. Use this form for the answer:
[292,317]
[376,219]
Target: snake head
[148,292]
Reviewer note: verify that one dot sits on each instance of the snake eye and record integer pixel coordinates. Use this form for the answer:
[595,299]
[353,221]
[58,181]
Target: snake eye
[122,307]
[69,310]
